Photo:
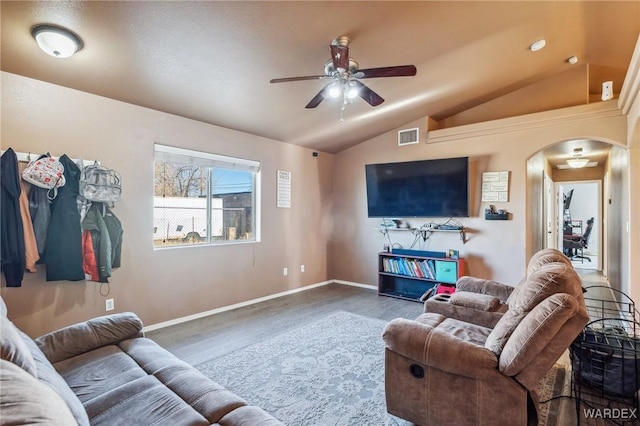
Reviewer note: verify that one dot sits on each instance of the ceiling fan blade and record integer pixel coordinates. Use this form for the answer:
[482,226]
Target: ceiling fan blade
[317,99]
[287,79]
[340,57]
[367,94]
[397,71]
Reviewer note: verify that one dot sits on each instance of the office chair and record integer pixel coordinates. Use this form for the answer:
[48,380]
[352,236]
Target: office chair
[573,246]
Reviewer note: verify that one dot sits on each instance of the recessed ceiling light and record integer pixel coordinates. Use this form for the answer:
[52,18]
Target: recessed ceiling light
[573,60]
[56,41]
[537,45]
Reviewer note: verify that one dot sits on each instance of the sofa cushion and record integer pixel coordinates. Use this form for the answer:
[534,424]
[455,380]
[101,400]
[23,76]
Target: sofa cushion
[536,331]
[204,395]
[483,302]
[27,401]
[551,278]
[13,347]
[47,374]
[92,334]
[144,398]
[483,286]
[94,373]
[544,256]
[468,332]
[538,260]
[118,383]
[556,277]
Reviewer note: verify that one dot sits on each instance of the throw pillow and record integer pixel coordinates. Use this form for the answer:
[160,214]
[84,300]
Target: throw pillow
[13,347]
[48,374]
[26,401]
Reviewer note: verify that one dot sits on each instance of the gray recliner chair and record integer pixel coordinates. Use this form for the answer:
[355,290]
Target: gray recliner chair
[443,371]
[484,302]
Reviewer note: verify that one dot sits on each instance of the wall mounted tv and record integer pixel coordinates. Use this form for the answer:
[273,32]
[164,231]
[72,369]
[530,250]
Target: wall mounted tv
[427,188]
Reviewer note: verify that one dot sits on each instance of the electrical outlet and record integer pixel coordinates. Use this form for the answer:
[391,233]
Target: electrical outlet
[301,268]
[285,271]
[109,305]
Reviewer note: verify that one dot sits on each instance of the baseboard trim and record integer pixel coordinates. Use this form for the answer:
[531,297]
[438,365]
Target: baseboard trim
[351,283]
[247,303]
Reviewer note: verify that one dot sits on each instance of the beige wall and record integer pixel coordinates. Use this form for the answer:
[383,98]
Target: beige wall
[327,229]
[495,249]
[162,285]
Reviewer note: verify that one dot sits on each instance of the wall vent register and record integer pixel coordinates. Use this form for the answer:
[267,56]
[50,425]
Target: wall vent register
[408,136]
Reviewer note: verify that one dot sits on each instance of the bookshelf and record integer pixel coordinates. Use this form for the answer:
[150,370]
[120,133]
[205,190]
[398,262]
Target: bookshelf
[407,276]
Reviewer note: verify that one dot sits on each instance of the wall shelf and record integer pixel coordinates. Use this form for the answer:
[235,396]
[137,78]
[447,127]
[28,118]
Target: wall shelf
[425,233]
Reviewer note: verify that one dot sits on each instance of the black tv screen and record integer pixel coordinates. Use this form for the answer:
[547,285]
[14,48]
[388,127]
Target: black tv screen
[427,188]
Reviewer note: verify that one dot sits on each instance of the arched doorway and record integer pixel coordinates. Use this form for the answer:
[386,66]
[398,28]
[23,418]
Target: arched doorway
[547,175]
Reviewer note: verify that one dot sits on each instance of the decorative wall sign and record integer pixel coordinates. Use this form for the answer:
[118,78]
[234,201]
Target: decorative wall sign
[495,187]
[284,189]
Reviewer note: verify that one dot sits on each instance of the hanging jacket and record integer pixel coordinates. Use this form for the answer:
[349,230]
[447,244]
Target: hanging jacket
[63,251]
[11,229]
[40,212]
[89,260]
[94,222]
[114,226]
[30,245]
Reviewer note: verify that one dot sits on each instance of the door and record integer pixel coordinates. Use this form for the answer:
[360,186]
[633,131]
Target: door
[549,212]
[559,216]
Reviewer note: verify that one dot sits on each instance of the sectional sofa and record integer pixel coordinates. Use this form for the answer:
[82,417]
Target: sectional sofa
[105,372]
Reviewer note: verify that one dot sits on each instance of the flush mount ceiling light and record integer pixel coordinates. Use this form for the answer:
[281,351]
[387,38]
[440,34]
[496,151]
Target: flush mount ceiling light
[537,45]
[56,41]
[577,161]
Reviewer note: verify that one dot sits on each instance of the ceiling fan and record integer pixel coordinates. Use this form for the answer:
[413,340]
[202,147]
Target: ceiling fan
[346,74]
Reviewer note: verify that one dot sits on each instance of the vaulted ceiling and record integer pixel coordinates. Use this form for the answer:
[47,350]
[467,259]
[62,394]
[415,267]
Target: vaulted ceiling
[212,61]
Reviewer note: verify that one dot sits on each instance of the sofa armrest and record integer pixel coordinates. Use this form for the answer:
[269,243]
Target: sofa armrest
[89,335]
[482,286]
[478,301]
[433,348]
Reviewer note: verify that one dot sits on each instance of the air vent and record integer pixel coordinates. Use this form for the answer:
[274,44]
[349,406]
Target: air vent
[408,136]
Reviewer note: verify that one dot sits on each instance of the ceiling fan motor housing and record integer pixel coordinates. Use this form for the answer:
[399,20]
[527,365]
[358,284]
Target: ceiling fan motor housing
[330,70]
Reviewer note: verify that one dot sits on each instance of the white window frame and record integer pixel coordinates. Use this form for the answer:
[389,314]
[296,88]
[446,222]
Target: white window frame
[212,161]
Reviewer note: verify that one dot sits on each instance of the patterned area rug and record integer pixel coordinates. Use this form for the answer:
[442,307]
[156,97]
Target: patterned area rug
[552,385]
[327,372]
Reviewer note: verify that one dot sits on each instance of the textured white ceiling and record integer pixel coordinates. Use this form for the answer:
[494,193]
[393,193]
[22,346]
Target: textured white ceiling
[212,61]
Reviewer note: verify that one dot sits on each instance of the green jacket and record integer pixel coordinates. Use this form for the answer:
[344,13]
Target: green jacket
[106,232]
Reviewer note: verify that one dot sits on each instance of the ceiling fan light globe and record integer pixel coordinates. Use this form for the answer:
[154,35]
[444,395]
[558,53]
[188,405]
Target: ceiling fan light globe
[352,93]
[577,163]
[334,91]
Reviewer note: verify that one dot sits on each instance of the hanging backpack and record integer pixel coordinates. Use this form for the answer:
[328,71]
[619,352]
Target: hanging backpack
[100,184]
[45,172]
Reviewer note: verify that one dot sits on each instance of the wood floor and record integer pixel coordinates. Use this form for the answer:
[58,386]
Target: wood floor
[206,338]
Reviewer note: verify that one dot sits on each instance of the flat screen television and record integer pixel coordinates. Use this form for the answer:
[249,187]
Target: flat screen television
[426,188]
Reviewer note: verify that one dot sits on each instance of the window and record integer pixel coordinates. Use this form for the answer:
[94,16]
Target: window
[202,198]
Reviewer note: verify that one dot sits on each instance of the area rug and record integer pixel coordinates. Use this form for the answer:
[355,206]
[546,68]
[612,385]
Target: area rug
[327,372]
[550,388]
